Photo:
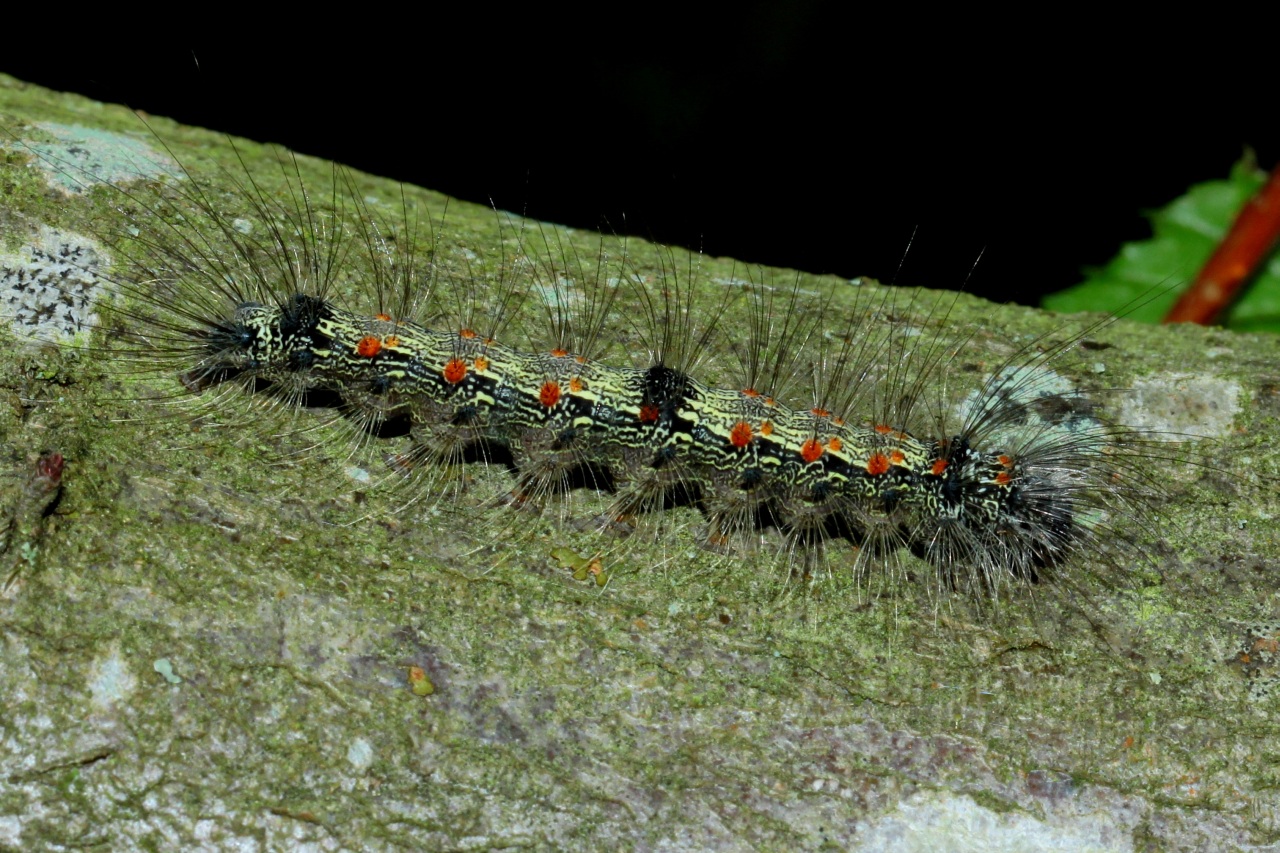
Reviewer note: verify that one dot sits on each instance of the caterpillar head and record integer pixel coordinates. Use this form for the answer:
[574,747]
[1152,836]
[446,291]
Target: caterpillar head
[271,343]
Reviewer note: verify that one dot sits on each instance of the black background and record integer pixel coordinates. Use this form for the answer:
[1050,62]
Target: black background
[792,134]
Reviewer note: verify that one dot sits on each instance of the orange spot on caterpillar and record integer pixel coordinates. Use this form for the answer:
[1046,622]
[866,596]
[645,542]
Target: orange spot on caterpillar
[1006,461]
[576,385]
[938,466]
[467,334]
[649,413]
[878,464]
[750,392]
[897,457]
[835,445]
[741,435]
[766,428]
[550,394]
[368,347]
[811,450]
[559,353]
[822,413]
[481,363]
[392,340]
[455,370]
[883,429]
[581,359]
[386,318]
[1002,479]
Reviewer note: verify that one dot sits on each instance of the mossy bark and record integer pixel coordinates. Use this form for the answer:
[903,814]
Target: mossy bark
[215,636]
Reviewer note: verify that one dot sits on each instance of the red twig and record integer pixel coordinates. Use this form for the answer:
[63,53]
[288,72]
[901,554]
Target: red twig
[1244,249]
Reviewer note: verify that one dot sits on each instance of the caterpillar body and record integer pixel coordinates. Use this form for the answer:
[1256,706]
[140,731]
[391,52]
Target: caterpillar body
[269,289]
[739,454]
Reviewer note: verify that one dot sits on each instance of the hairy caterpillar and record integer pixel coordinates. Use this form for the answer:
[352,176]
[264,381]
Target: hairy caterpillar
[300,292]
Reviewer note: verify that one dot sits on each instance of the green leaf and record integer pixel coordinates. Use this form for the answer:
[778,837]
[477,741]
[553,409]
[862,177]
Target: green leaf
[1142,281]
